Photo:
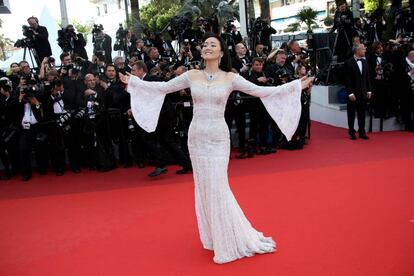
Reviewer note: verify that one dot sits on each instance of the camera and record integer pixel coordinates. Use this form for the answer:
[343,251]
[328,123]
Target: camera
[29,91]
[5,83]
[97,29]
[131,126]
[27,31]
[121,34]
[65,36]
[68,67]
[64,120]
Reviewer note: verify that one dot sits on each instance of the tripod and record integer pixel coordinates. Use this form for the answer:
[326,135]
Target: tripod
[334,59]
[32,55]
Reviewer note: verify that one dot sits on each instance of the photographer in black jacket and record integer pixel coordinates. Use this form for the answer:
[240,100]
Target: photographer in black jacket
[259,118]
[39,36]
[343,24]
[72,42]
[29,115]
[8,129]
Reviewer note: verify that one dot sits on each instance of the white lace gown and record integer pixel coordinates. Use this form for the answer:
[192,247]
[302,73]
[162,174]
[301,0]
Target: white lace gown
[222,224]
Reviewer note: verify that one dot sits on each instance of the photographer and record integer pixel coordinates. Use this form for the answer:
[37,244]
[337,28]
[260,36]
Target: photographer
[102,43]
[66,64]
[29,114]
[262,32]
[125,40]
[72,42]
[154,58]
[380,71]
[259,51]
[236,108]
[186,55]
[46,66]
[8,129]
[39,36]
[14,74]
[97,67]
[120,65]
[241,62]
[343,24]
[298,140]
[407,93]
[163,137]
[296,56]
[139,51]
[280,74]
[56,113]
[118,102]
[97,143]
[278,71]
[259,118]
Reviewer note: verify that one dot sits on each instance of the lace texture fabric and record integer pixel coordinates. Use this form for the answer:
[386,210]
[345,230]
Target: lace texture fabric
[222,224]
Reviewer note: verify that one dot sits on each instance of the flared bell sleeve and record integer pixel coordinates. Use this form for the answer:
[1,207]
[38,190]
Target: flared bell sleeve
[282,102]
[147,98]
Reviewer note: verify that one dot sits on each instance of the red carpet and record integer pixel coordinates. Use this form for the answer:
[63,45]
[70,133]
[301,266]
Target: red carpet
[339,207]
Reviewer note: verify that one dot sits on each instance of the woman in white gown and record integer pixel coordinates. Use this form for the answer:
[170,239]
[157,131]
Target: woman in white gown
[222,225]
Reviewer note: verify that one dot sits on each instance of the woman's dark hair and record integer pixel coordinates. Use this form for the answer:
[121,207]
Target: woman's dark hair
[225,62]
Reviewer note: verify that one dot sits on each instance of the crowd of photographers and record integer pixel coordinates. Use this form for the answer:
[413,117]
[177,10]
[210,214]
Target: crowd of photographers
[80,111]
[388,37]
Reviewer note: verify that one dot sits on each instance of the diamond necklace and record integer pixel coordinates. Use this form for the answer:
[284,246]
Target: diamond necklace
[210,77]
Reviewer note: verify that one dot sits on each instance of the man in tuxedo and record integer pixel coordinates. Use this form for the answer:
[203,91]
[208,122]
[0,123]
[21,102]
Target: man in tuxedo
[40,39]
[358,86]
[139,51]
[154,58]
[236,108]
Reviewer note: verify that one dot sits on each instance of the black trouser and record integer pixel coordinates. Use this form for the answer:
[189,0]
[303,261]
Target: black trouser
[259,121]
[27,141]
[8,152]
[360,107]
[303,121]
[165,135]
[384,102]
[153,148]
[56,147]
[119,134]
[238,114]
[97,143]
[407,109]
[73,143]
[136,136]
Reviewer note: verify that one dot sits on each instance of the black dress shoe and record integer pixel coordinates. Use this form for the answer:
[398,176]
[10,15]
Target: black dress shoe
[59,172]
[141,165]
[241,155]
[184,170]
[76,170]
[26,177]
[363,136]
[157,172]
[352,136]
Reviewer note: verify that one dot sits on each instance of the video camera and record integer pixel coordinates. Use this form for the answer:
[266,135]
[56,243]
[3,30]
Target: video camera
[303,55]
[65,35]
[121,34]
[26,42]
[260,25]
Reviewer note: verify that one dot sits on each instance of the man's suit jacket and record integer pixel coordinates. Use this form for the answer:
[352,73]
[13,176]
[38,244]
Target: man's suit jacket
[357,83]
[41,43]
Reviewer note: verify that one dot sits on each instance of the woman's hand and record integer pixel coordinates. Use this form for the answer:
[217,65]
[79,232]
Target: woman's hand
[306,82]
[124,78]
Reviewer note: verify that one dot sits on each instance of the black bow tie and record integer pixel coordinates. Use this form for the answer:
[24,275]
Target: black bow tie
[359,59]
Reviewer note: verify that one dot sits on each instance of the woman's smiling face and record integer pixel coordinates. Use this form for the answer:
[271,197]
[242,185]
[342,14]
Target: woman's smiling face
[211,49]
